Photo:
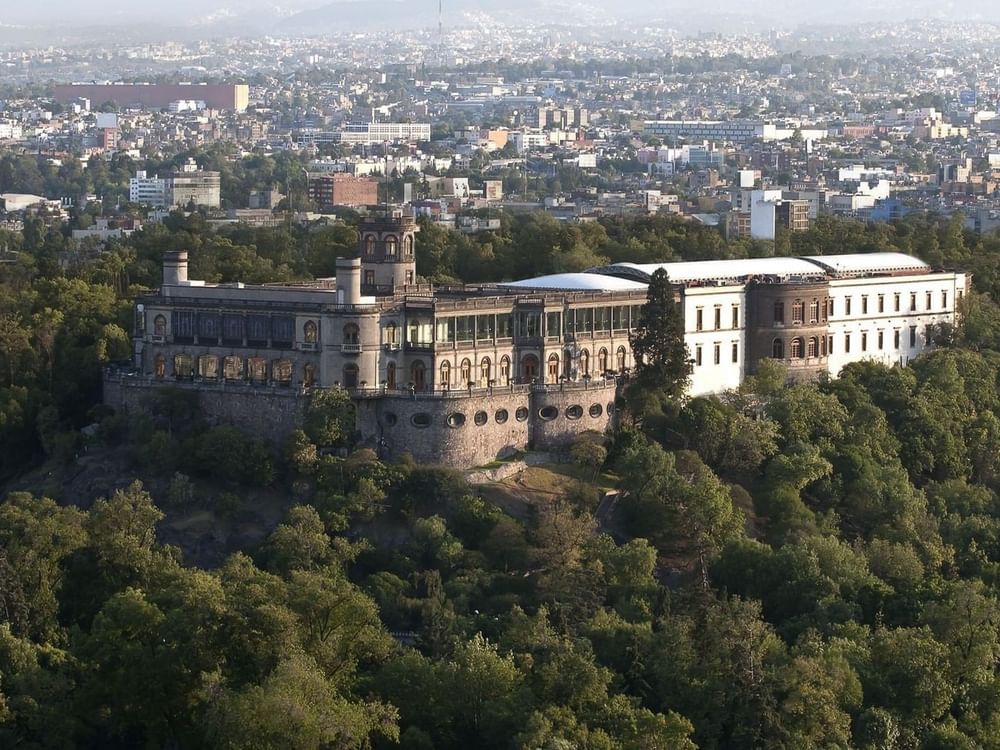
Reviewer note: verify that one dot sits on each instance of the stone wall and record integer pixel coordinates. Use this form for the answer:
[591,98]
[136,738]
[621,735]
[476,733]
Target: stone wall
[456,429]
[267,413]
[460,429]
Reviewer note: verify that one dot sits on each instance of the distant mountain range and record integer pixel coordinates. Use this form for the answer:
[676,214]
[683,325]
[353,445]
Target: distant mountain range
[211,18]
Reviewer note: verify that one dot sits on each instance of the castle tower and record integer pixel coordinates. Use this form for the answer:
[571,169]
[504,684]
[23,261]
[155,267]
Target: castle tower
[386,247]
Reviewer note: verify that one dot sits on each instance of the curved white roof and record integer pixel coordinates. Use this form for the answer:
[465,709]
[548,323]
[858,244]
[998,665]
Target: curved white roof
[737,270]
[577,282]
[721,270]
[861,263]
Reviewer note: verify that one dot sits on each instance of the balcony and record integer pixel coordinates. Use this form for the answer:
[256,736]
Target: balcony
[308,346]
[350,348]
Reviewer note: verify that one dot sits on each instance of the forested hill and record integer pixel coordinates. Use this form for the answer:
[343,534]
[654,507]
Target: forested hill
[807,566]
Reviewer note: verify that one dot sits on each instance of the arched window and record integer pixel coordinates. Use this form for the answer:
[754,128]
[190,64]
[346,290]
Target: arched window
[350,376]
[309,332]
[391,245]
[418,374]
[602,361]
[391,334]
[390,375]
[281,371]
[465,372]
[621,358]
[445,376]
[350,334]
[183,366]
[797,349]
[812,348]
[308,376]
[208,366]
[232,368]
[585,363]
[370,244]
[504,373]
[485,372]
[553,368]
[529,368]
[258,369]
[159,366]
[408,246]
[777,349]
[159,326]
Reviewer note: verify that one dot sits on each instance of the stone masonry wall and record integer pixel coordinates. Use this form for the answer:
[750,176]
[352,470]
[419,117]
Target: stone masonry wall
[460,429]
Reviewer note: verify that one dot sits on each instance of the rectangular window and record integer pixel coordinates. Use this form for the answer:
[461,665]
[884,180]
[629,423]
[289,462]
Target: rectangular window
[697,356]
[829,308]
[445,332]
[465,328]
[505,326]
[814,311]
[864,342]
[847,343]
[896,301]
[913,301]
[718,317]
[913,336]
[895,339]
[602,319]
[183,322]
[880,341]
[847,305]
[529,324]
[585,320]
[736,352]
[928,301]
[829,344]
[636,313]
[944,300]
[736,316]
[881,303]
[864,304]
[486,326]
[619,318]
[717,354]
[553,324]
[699,314]
[779,313]
[798,312]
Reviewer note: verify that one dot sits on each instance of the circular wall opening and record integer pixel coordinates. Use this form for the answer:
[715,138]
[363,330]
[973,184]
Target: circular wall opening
[596,410]
[421,420]
[548,413]
[521,414]
[390,418]
[501,416]
[456,419]
[574,412]
[481,418]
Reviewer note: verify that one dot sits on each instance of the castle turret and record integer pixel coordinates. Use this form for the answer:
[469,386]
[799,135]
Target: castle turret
[386,246]
[349,281]
[175,268]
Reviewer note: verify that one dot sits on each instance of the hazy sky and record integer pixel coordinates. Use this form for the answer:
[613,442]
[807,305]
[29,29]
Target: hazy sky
[421,12]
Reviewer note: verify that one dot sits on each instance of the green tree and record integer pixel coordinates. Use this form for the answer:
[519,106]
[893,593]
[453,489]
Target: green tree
[661,355]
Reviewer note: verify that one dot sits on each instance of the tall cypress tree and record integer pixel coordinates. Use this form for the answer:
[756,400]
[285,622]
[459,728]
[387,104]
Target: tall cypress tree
[661,356]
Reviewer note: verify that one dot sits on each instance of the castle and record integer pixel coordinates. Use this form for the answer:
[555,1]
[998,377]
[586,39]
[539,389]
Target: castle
[463,375]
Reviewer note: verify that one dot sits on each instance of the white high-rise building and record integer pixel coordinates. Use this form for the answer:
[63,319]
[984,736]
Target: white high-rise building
[149,191]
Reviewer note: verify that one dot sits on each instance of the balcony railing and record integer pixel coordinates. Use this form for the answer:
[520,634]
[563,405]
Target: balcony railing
[350,348]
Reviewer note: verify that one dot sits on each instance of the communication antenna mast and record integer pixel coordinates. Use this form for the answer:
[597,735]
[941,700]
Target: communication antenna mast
[440,35]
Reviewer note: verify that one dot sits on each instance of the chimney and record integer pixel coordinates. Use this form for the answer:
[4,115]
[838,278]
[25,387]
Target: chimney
[175,268]
[349,281]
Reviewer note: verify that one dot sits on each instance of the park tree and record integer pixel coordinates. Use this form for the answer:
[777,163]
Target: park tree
[661,356]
